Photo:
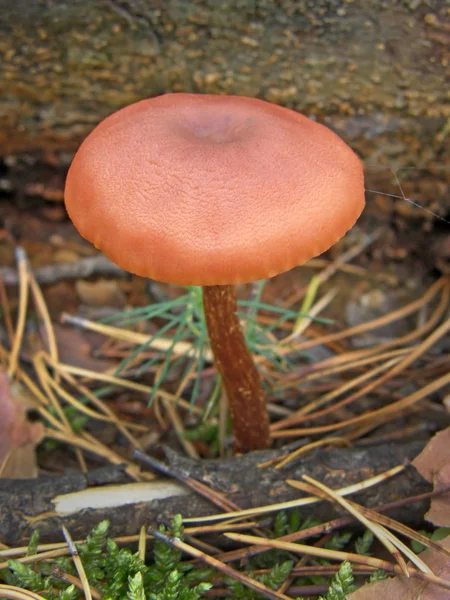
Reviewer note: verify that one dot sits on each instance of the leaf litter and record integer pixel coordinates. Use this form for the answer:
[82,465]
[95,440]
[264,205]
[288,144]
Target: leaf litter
[18,436]
[340,368]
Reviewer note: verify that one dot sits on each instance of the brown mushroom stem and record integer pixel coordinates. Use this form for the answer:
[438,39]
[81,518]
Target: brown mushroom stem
[249,417]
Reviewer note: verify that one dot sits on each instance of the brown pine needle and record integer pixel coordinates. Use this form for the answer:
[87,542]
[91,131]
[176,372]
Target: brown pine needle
[221,527]
[177,424]
[44,377]
[94,446]
[323,528]
[45,551]
[393,316]
[11,592]
[126,383]
[6,312]
[61,550]
[22,264]
[306,412]
[181,348]
[108,415]
[416,560]
[400,528]
[78,565]
[372,352]
[398,367]
[362,485]
[4,463]
[103,407]
[219,566]
[387,522]
[337,555]
[330,441]
[45,316]
[376,524]
[346,361]
[65,395]
[385,413]
[378,531]
[60,574]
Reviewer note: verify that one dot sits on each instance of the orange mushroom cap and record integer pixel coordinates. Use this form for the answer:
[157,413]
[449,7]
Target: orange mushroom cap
[210,190]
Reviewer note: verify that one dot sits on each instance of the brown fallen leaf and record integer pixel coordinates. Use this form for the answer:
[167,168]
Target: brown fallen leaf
[76,347]
[433,463]
[401,588]
[18,436]
[439,513]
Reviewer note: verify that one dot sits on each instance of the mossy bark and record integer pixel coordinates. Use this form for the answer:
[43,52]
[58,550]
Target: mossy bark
[375,70]
[26,505]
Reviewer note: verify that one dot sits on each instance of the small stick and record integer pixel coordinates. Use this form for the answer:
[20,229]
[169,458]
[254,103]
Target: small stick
[85,267]
[212,495]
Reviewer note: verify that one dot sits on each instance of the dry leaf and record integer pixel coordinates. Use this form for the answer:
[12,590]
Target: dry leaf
[433,463]
[401,588]
[18,437]
[439,513]
[76,347]
[434,456]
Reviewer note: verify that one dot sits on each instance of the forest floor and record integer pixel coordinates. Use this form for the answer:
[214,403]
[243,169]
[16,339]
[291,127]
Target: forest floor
[369,368]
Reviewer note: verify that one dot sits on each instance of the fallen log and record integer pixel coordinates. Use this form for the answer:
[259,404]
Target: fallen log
[79,501]
[376,72]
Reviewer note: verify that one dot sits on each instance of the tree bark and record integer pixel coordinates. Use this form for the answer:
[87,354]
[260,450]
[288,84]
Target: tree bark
[42,504]
[376,72]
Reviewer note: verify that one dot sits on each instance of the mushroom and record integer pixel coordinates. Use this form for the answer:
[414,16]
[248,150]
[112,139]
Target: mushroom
[213,191]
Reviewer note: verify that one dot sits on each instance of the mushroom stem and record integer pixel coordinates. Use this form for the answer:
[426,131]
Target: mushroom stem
[249,417]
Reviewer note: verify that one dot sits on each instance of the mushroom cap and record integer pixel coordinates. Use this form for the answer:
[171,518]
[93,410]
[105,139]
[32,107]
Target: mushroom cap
[212,190]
